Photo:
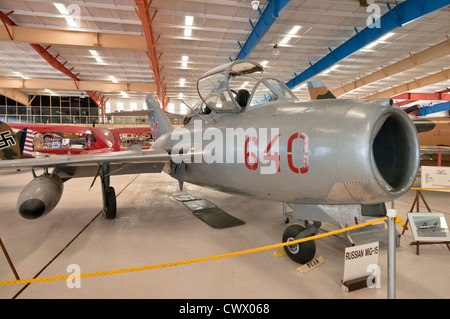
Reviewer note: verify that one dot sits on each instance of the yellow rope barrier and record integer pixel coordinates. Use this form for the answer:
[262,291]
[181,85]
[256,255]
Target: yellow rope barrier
[191,261]
[431,188]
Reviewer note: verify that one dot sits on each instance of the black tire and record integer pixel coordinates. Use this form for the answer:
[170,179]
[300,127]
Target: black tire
[111,203]
[300,253]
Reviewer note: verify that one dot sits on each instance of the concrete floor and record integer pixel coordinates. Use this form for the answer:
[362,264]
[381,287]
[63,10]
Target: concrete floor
[153,228]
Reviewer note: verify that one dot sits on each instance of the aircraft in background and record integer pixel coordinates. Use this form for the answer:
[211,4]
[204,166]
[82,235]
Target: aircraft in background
[95,139]
[15,145]
[426,226]
[330,160]
[434,138]
[433,132]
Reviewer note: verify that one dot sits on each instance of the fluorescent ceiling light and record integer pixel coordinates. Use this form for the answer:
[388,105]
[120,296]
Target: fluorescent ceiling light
[61,8]
[295,29]
[264,63]
[124,94]
[113,79]
[371,45]
[189,20]
[184,59]
[383,38]
[93,52]
[21,75]
[334,67]
[182,82]
[244,85]
[180,96]
[387,36]
[299,87]
[71,22]
[99,59]
[285,40]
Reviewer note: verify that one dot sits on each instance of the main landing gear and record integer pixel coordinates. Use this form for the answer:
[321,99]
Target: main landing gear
[109,195]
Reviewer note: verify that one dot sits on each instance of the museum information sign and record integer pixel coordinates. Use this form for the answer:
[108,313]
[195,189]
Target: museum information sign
[360,261]
[435,177]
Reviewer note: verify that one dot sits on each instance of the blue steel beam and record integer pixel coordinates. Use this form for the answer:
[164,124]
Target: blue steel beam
[268,17]
[403,13]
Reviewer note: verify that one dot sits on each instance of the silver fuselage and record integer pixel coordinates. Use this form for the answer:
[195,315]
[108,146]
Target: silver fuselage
[356,152]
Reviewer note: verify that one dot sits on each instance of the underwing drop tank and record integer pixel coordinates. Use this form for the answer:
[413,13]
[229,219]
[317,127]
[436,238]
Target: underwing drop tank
[40,196]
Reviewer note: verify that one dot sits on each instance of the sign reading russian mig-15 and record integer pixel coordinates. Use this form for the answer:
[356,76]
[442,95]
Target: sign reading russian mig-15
[328,159]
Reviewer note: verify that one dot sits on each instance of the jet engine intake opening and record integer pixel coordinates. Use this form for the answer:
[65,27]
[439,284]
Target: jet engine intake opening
[395,151]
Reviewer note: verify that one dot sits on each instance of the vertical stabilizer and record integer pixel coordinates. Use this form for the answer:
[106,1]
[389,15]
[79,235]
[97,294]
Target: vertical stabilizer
[9,145]
[25,138]
[159,123]
[318,91]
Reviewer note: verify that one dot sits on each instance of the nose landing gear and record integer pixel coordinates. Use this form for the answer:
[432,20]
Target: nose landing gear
[304,252]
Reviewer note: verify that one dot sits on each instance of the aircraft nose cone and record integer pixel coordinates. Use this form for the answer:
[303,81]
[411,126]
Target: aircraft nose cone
[32,208]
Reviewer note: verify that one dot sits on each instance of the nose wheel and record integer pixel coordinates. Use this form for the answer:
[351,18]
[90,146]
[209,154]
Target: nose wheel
[301,252]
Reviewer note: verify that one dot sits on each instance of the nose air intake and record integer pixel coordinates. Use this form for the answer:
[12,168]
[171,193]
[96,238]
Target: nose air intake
[396,153]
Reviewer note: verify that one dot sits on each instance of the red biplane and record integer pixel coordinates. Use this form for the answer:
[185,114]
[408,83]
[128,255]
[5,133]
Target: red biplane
[98,139]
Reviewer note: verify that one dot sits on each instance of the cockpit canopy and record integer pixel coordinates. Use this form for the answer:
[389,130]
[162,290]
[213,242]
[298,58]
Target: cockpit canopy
[224,89]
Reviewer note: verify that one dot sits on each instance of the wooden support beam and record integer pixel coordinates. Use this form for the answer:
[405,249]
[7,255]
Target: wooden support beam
[72,38]
[103,86]
[435,52]
[440,76]
[16,95]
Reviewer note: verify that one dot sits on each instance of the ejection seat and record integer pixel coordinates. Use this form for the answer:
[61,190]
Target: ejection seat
[242,97]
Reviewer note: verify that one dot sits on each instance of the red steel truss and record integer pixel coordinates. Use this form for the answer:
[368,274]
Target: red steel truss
[146,20]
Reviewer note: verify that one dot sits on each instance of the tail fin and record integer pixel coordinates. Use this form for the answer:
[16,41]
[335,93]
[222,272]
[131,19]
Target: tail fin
[25,138]
[116,145]
[159,123]
[318,91]
[9,145]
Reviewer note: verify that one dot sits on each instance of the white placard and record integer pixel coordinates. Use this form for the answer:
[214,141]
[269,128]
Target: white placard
[358,259]
[435,177]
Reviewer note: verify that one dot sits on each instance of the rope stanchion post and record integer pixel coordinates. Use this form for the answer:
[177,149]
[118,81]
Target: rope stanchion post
[392,215]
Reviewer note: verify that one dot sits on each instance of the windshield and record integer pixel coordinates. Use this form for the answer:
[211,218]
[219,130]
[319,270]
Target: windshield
[233,86]
[214,86]
[271,90]
[215,93]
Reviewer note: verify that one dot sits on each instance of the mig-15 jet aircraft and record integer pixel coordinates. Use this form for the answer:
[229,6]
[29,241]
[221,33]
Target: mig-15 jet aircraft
[330,160]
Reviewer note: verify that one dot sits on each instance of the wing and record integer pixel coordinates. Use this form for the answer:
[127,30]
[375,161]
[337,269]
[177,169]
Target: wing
[49,128]
[131,161]
[435,155]
[42,194]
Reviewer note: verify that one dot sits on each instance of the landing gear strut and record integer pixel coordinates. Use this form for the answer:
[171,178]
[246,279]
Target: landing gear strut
[109,195]
[301,252]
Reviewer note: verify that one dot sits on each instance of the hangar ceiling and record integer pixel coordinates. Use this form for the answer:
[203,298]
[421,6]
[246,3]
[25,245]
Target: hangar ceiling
[103,43]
